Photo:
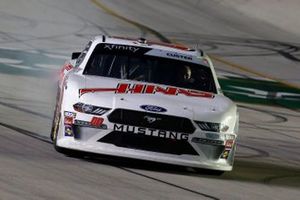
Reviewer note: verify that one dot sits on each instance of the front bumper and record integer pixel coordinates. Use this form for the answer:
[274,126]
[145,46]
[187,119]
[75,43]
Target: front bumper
[208,156]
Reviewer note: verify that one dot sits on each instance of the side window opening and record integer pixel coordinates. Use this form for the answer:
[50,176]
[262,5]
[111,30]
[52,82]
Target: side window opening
[83,54]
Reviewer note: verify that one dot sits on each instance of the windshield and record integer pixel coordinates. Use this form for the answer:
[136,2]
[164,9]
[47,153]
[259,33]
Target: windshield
[152,69]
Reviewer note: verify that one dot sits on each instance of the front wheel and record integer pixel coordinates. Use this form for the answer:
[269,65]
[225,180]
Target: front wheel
[56,118]
[67,152]
[55,124]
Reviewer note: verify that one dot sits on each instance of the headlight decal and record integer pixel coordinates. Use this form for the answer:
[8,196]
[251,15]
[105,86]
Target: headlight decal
[90,109]
[208,126]
[212,126]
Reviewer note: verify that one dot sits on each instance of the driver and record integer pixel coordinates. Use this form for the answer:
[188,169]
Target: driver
[184,76]
[187,75]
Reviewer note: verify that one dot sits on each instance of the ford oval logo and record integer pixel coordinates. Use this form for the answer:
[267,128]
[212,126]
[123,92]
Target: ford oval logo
[153,108]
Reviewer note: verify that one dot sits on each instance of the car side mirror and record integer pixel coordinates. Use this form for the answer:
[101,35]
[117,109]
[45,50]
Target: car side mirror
[75,55]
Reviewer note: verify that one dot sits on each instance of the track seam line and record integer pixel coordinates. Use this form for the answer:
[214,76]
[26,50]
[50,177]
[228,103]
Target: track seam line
[168,183]
[27,133]
[129,21]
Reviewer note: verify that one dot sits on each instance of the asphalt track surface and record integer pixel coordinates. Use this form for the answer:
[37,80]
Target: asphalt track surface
[36,37]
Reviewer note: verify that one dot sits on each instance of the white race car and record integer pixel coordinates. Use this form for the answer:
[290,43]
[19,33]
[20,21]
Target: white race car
[145,100]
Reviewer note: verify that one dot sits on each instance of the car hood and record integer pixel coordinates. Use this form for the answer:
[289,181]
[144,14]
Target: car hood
[135,95]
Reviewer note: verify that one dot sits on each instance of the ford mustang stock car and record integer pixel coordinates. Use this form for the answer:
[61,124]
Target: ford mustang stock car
[145,100]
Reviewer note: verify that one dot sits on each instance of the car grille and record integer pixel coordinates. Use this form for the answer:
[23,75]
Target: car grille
[151,120]
[148,143]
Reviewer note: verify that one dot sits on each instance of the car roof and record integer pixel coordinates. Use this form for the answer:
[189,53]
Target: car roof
[142,42]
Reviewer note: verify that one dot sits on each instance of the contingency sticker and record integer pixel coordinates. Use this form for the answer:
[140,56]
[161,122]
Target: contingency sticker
[68,130]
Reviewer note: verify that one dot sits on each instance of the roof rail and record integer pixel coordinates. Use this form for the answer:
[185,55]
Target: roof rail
[142,40]
[201,52]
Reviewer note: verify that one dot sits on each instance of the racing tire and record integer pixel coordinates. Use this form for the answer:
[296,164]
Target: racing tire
[56,118]
[54,132]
